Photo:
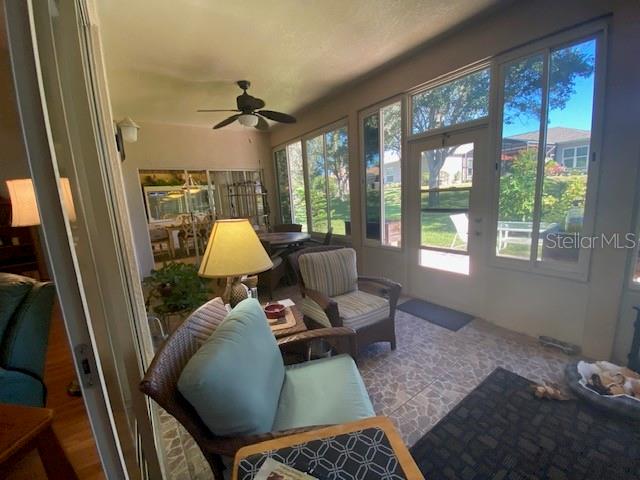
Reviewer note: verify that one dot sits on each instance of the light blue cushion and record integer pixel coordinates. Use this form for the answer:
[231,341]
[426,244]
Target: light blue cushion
[234,380]
[322,392]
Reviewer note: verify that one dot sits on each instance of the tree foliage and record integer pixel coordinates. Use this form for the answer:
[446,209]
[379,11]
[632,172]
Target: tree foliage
[517,191]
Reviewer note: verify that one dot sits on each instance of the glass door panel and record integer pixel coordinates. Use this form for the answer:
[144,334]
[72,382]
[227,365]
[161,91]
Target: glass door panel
[446,177]
[448,196]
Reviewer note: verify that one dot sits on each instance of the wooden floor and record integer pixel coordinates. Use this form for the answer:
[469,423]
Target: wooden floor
[70,420]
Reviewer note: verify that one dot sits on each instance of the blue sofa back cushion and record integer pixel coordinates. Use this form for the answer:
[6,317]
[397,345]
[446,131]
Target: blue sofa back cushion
[13,289]
[234,380]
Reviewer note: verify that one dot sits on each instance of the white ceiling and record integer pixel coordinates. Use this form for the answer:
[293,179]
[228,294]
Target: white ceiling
[167,58]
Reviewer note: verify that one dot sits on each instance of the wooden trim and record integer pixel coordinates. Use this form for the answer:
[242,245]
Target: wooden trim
[405,459]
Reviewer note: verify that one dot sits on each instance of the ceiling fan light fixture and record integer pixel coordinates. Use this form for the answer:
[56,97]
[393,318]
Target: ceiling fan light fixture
[248,120]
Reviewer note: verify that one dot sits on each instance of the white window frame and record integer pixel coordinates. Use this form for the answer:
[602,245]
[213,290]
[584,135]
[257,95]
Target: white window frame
[362,114]
[580,270]
[282,147]
[342,123]
[574,157]
[443,80]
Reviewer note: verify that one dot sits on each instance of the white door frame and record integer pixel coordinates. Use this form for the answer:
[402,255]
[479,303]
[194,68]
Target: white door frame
[454,290]
[88,280]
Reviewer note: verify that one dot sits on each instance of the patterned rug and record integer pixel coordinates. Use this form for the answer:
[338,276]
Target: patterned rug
[500,430]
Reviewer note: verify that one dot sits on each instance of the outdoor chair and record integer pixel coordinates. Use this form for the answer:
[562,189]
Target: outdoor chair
[337,375]
[461,222]
[272,278]
[334,295]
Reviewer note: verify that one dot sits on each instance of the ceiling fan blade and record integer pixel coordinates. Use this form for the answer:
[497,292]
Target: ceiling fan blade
[205,110]
[277,116]
[227,121]
[262,123]
[247,103]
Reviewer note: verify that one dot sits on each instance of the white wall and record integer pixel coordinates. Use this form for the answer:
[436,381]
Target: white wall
[164,146]
[585,313]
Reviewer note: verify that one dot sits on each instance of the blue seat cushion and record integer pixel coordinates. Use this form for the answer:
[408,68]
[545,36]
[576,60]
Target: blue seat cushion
[322,392]
[20,389]
[234,380]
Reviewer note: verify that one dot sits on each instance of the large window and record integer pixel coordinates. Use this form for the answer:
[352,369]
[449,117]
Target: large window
[326,162]
[327,157]
[290,180]
[462,100]
[546,117]
[382,151]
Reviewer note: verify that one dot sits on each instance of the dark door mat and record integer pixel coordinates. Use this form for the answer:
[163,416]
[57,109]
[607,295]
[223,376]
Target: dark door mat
[436,314]
[500,430]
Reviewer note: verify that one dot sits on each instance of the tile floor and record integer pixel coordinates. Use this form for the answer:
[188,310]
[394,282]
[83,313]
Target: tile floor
[431,370]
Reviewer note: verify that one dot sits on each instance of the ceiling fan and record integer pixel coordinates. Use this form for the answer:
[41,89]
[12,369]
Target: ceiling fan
[250,114]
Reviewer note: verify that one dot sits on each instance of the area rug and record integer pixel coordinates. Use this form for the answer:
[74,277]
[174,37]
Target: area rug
[442,316]
[500,430]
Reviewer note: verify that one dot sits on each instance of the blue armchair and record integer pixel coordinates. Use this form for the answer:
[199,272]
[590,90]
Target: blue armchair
[25,317]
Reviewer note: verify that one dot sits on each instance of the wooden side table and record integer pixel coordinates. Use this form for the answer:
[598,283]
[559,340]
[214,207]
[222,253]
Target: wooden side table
[371,446]
[23,429]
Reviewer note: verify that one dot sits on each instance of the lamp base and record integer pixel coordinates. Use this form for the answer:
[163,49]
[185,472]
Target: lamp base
[235,292]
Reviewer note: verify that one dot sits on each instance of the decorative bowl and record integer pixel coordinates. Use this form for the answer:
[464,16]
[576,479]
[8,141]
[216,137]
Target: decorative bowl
[274,310]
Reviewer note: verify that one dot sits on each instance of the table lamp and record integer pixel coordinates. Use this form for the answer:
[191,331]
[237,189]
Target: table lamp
[24,212]
[234,250]
[24,208]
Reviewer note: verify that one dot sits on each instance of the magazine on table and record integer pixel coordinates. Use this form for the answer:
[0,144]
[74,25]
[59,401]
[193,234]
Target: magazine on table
[273,470]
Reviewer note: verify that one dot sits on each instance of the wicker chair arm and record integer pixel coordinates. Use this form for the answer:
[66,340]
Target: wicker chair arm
[318,333]
[327,304]
[385,287]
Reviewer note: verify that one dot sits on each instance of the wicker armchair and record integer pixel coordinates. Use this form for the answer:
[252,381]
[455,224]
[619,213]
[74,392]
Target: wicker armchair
[380,329]
[161,379]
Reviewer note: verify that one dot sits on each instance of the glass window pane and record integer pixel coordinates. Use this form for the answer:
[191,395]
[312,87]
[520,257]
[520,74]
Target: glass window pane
[571,89]
[392,174]
[459,101]
[446,180]
[337,164]
[296,179]
[450,167]
[453,200]
[317,184]
[163,195]
[439,230]
[282,178]
[522,94]
[371,135]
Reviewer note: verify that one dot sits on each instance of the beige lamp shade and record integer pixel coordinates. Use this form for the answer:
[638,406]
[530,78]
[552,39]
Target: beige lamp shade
[233,250]
[24,208]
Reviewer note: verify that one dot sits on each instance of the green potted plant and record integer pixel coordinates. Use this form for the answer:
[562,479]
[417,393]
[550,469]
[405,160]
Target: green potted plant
[175,288]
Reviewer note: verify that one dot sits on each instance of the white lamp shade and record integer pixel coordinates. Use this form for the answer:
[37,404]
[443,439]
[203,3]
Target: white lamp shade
[24,207]
[233,250]
[248,120]
[129,130]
